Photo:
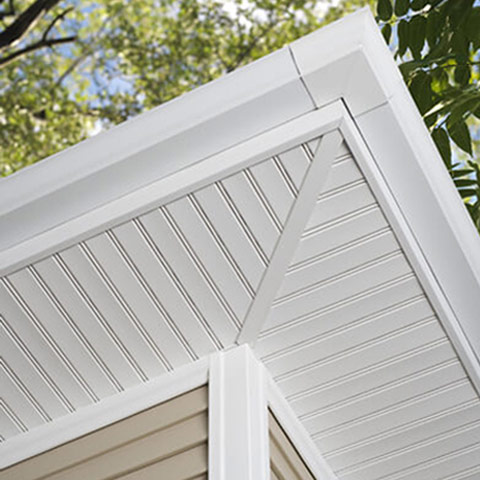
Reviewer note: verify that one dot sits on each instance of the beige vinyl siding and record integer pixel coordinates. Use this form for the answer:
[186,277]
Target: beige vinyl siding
[285,462]
[168,441]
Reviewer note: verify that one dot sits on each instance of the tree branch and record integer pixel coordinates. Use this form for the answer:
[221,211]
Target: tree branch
[25,22]
[59,17]
[4,61]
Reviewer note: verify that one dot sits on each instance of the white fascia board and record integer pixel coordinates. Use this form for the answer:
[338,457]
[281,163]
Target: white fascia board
[225,112]
[348,59]
[172,187]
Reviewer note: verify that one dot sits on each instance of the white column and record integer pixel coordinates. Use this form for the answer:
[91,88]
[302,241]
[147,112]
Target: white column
[238,417]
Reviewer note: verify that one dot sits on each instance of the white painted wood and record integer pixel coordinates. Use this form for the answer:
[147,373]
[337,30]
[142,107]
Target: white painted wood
[196,281]
[364,408]
[18,403]
[323,267]
[203,243]
[105,301]
[274,185]
[275,341]
[295,164]
[162,345]
[422,432]
[287,243]
[109,410]
[385,422]
[67,344]
[41,354]
[29,377]
[297,434]
[246,257]
[357,337]
[162,289]
[336,205]
[62,285]
[355,226]
[328,293]
[252,212]
[369,381]
[301,380]
[238,417]
[230,160]
[344,172]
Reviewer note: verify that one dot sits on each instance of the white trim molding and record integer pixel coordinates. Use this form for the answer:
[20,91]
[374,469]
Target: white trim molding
[310,189]
[238,417]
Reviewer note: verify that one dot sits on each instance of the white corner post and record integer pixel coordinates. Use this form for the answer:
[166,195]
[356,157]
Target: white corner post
[238,417]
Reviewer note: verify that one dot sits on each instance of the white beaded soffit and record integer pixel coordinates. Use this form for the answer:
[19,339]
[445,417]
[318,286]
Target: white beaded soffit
[297,205]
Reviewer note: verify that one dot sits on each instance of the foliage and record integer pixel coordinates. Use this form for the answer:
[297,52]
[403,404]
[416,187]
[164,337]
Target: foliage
[437,43]
[122,58]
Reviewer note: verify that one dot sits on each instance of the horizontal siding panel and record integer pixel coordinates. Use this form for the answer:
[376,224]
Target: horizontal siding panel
[384,348]
[434,448]
[345,341]
[352,310]
[364,407]
[371,379]
[323,267]
[402,439]
[343,172]
[336,234]
[339,289]
[182,466]
[140,440]
[332,206]
[383,422]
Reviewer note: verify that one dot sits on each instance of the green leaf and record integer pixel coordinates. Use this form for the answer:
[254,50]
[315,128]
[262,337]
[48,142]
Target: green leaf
[465,182]
[462,74]
[472,27]
[420,87]
[384,9]
[467,192]
[401,7]
[433,29]
[461,172]
[418,4]
[387,32]
[440,137]
[402,32]
[416,35]
[460,134]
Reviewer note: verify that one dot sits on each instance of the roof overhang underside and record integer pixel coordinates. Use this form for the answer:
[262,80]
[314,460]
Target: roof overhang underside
[298,205]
